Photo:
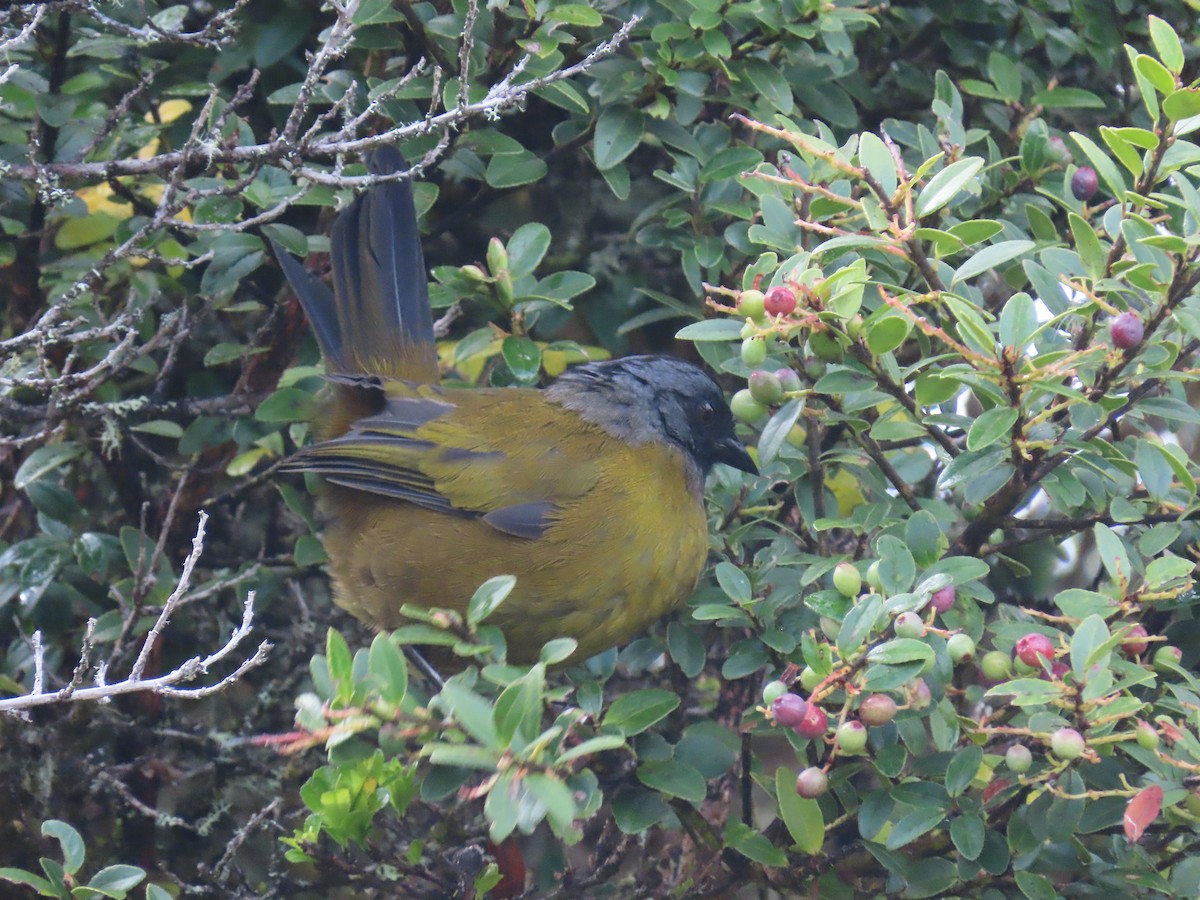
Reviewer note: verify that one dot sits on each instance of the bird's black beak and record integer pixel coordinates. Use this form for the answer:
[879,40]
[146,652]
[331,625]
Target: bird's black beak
[732,452]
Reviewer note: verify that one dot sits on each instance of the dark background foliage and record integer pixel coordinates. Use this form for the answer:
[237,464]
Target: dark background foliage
[153,365]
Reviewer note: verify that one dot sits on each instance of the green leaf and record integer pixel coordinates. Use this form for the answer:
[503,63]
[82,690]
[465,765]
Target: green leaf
[339,660]
[472,712]
[1035,886]
[1113,554]
[634,713]
[618,132]
[73,849]
[686,649]
[926,540]
[557,650]
[858,624]
[115,881]
[961,771]
[527,247]
[488,596]
[1027,691]
[386,664]
[775,432]
[674,778]
[558,800]
[734,583]
[897,569]
[877,159]
[45,460]
[748,842]
[1090,635]
[574,14]
[968,833]
[1067,98]
[803,817]
[159,428]
[1167,44]
[1182,104]
[916,823]
[592,745]
[901,650]
[37,882]
[887,333]
[991,257]
[523,357]
[285,405]
[1107,169]
[711,330]
[990,427]
[943,186]
[635,809]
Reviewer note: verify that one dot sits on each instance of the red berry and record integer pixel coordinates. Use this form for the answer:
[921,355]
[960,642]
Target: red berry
[1084,183]
[1057,671]
[789,710]
[1035,645]
[1133,644]
[877,709]
[812,783]
[1126,331]
[814,723]
[780,301]
[944,599]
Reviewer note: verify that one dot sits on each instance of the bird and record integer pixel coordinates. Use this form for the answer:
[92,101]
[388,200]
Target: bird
[590,492]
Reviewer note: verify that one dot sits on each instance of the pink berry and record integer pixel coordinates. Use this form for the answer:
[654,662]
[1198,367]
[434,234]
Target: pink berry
[1067,743]
[1126,331]
[1084,183]
[877,709]
[1058,671]
[780,301]
[1133,644]
[814,723]
[789,710]
[1034,647]
[944,599]
[812,783]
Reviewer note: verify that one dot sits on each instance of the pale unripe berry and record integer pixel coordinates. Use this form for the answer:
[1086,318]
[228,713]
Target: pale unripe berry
[852,737]
[909,625]
[846,579]
[877,709]
[812,783]
[960,647]
[1067,743]
[1018,758]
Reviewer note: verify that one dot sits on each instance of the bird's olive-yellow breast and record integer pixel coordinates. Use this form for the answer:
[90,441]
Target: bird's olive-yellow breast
[589,492]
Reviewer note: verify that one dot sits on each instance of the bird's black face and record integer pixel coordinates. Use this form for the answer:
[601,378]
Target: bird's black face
[656,398]
[712,438]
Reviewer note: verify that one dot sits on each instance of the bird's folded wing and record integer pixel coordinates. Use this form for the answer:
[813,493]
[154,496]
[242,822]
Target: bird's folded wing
[488,454]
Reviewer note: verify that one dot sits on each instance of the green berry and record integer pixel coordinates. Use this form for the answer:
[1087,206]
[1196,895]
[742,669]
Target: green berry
[1167,657]
[960,647]
[750,304]
[1018,758]
[852,737]
[846,579]
[772,691]
[831,628]
[1147,736]
[909,625]
[745,407]
[995,665]
[754,351]
[825,347]
[765,387]
[873,578]
[1067,744]
[812,783]
[809,678]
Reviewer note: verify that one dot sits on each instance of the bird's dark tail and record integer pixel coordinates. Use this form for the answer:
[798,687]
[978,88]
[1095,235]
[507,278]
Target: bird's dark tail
[377,319]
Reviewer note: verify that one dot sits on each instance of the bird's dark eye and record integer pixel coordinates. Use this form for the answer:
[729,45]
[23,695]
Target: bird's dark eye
[705,411]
